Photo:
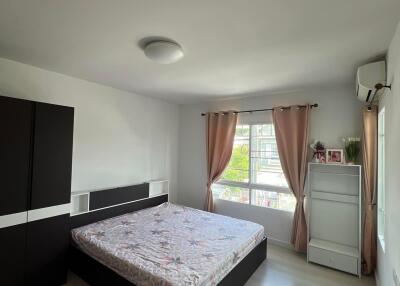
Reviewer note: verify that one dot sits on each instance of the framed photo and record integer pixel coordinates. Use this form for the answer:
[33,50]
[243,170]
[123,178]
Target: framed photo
[334,156]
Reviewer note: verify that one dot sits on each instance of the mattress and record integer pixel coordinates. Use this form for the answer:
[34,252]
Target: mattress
[169,245]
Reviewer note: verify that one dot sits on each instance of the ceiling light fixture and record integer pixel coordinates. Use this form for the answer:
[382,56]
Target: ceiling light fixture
[163,52]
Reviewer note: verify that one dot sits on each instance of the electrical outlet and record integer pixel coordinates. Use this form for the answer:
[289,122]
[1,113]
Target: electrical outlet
[396,278]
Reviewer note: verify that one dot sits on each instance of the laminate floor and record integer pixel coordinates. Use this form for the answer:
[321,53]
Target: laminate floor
[284,267]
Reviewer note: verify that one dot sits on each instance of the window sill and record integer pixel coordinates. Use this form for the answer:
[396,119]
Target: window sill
[261,187]
[268,208]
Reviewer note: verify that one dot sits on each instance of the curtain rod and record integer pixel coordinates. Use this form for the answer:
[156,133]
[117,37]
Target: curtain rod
[258,110]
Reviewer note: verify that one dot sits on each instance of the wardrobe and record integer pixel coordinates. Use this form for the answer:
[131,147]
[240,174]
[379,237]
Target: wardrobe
[35,187]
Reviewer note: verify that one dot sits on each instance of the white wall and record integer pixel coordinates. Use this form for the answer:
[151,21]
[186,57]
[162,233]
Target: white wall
[120,138]
[338,115]
[389,260]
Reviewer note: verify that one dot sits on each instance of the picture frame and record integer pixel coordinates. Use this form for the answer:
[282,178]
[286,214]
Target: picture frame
[334,156]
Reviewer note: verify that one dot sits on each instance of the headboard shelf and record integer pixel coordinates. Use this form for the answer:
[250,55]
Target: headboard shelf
[117,196]
[89,207]
[79,203]
[158,187]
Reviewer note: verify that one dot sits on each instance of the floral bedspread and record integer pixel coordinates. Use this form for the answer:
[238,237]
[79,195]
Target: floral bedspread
[169,245]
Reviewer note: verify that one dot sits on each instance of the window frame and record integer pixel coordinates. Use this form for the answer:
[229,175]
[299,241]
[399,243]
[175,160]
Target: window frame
[254,186]
[381,204]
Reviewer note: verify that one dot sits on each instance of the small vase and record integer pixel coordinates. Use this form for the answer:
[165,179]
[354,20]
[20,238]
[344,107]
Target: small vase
[351,161]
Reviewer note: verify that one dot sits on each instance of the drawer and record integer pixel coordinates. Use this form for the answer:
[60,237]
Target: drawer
[334,260]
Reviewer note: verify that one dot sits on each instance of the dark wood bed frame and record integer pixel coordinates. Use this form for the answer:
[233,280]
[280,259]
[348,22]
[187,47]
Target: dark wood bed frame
[110,203]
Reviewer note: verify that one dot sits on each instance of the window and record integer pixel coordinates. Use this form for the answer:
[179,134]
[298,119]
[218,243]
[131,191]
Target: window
[381,178]
[254,174]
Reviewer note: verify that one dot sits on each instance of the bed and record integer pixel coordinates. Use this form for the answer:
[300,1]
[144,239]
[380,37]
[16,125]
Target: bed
[150,241]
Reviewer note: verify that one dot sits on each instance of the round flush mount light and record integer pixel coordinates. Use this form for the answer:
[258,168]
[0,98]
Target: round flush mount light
[163,52]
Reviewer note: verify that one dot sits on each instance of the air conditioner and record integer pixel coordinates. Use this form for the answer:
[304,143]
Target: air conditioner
[370,80]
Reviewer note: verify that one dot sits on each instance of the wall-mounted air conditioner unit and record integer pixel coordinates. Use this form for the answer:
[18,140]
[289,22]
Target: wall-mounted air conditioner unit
[371,78]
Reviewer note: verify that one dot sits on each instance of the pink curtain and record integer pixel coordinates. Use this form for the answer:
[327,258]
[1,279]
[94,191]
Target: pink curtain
[369,156]
[220,135]
[291,130]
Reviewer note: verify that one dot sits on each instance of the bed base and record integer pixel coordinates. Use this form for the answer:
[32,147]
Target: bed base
[243,271]
[110,203]
[96,274]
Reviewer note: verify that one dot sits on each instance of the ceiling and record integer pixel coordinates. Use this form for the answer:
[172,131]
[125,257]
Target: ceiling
[233,48]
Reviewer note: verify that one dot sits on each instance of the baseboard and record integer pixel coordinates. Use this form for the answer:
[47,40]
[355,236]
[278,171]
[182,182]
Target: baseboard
[280,243]
[378,283]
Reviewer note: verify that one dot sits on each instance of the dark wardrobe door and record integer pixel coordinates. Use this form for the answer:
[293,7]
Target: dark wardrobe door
[15,149]
[52,155]
[12,253]
[47,246]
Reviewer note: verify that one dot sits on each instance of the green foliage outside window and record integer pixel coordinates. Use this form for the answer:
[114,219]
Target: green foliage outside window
[238,168]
